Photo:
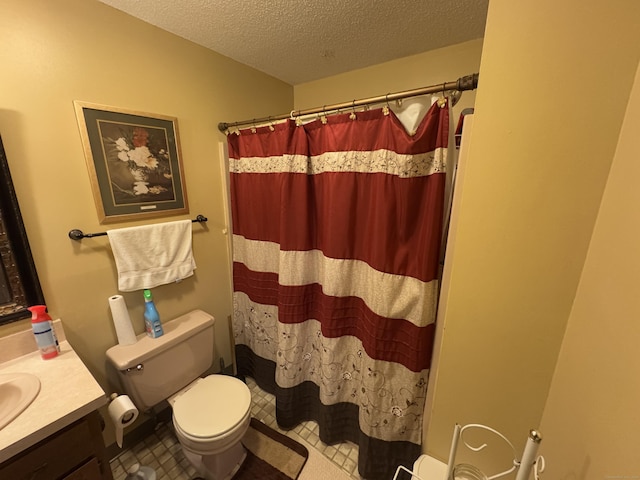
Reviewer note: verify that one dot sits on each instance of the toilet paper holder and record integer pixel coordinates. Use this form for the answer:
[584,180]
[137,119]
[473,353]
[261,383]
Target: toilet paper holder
[122,413]
[128,416]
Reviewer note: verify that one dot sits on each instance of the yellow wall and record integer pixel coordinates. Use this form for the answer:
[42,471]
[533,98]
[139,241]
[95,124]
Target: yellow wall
[544,136]
[592,409]
[416,71]
[53,53]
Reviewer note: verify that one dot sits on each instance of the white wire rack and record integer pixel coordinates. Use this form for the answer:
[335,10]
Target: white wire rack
[462,471]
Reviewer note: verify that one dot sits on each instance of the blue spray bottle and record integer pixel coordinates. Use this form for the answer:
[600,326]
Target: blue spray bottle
[151,317]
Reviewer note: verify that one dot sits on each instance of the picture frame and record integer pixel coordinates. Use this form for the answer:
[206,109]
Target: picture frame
[134,162]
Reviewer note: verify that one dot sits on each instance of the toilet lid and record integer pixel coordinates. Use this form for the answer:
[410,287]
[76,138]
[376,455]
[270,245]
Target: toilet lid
[213,406]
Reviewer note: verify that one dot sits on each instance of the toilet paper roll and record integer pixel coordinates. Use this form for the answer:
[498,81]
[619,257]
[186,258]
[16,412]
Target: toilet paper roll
[121,320]
[122,412]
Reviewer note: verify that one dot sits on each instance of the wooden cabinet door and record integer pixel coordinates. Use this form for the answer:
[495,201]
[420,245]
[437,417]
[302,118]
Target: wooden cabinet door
[88,471]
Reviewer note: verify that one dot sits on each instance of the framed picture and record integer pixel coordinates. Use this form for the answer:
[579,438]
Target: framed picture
[134,162]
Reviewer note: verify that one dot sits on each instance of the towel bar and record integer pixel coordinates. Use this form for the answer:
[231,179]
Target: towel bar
[76,234]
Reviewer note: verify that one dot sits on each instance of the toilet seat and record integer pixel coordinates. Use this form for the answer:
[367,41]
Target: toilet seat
[212,407]
[428,468]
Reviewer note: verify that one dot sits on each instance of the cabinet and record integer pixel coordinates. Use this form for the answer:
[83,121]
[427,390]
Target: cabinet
[76,452]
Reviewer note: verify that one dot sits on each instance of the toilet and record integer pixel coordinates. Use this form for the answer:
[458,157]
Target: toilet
[210,414]
[428,468]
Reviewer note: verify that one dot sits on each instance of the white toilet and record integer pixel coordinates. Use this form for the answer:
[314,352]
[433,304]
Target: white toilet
[210,414]
[428,468]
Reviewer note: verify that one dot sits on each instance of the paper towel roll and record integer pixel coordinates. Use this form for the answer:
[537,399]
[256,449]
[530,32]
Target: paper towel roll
[122,412]
[121,320]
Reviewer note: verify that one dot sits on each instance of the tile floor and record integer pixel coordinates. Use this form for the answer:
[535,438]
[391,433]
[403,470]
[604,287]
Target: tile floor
[162,452]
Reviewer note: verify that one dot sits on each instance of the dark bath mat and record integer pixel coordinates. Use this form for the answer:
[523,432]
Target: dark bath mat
[270,455]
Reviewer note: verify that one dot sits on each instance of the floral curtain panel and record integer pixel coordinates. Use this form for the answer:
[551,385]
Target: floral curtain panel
[337,230]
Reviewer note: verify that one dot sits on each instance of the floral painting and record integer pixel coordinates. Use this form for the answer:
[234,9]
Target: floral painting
[134,162]
[138,163]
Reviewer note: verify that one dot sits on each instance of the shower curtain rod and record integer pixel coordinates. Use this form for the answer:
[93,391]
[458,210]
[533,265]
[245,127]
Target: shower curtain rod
[468,82]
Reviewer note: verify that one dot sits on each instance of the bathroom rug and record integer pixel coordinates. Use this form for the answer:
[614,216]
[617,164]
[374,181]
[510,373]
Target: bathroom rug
[270,455]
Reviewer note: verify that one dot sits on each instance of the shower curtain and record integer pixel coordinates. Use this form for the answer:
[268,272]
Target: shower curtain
[337,228]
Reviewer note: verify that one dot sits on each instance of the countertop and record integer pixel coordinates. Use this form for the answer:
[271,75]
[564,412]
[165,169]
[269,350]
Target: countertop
[68,392]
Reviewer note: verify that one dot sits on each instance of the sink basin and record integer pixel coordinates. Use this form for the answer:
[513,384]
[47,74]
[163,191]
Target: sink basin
[17,391]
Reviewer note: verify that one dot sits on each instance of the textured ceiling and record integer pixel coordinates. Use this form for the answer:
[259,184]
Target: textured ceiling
[302,40]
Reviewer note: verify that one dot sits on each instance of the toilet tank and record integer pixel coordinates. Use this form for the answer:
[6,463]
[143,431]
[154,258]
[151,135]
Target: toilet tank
[153,369]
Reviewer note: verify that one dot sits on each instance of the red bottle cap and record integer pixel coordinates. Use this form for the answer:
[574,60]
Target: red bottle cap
[39,313]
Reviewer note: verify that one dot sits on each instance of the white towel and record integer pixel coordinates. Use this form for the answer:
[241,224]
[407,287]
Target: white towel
[152,255]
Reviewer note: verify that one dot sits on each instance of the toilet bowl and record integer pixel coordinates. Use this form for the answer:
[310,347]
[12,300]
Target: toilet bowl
[210,417]
[210,414]
[428,468]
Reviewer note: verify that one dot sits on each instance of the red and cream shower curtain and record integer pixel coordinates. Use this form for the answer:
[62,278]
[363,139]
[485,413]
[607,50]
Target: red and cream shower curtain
[336,232]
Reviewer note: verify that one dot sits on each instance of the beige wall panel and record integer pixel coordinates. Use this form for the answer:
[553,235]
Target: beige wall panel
[541,149]
[591,416]
[416,71]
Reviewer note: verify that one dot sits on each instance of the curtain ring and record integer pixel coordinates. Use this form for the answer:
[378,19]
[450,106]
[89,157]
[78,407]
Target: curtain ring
[385,109]
[353,113]
[443,101]
[322,116]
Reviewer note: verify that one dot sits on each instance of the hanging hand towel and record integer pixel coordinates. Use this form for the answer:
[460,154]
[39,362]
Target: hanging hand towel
[152,255]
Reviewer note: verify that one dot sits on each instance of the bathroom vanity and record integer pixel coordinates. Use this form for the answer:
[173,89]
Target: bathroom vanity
[59,435]
[76,452]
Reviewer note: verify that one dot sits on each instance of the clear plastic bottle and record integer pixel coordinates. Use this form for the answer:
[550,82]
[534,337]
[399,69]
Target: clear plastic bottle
[151,317]
[138,472]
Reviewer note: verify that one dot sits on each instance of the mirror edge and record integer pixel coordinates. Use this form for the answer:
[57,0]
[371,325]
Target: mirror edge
[18,244]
